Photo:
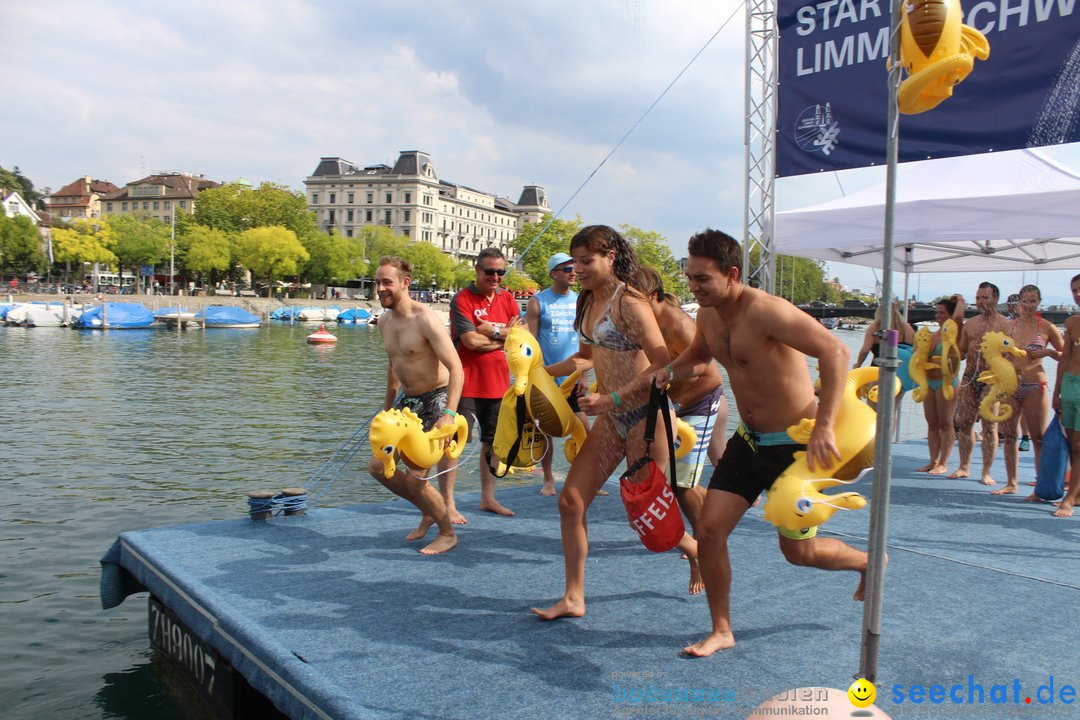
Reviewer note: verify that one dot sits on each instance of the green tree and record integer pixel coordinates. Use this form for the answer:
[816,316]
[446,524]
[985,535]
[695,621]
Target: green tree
[800,280]
[84,242]
[333,257]
[204,250]
[652,249]
[464,273]
[429,265]
[15,180]
[555,239]
[517,281]
[139,240]
[270,252]
[235,208]
[20,245]
[379,241]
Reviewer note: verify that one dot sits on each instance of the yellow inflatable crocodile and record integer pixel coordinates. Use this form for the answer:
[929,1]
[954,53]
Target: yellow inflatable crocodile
[795,501]
[1001,377]
[395,432]
[937,50]
[920,363]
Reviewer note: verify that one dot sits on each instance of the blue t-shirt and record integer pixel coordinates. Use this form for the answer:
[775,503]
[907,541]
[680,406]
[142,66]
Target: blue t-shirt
[557,337]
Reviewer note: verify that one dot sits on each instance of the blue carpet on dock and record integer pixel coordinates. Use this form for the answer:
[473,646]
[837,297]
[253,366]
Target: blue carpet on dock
[334,615]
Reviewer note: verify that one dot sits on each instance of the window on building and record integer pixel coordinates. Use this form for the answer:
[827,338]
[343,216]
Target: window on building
[109,206]
[367,215]
[183,204]
[408,216]
[387,218]
[167,219]
[314,198]
[168,204]
[349,216]
[350,198]
[348,232]
[145,204]
[427,200]
[156,205]
[333,198]
[370,199]
[389,197]
[331,217]
[408,198]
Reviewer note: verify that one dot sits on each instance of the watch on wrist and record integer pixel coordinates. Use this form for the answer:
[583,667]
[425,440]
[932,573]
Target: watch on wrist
[495,334]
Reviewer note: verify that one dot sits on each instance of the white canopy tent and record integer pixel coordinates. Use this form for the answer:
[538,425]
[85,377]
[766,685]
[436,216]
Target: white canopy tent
[1015,210]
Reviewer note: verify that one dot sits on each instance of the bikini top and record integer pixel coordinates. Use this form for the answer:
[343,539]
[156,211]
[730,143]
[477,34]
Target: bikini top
[606,334]
[1036,343]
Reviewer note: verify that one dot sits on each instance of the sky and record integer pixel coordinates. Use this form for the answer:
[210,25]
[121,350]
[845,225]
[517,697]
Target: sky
[501,95]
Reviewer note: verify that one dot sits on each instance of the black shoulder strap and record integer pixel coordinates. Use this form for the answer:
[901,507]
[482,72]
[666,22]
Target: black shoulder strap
[522,417]
[658,399]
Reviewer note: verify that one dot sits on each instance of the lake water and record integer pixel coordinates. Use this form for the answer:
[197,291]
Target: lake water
[108,432]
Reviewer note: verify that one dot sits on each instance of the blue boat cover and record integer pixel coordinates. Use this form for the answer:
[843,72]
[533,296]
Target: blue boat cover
[354,315]
[118,315]
[225,315]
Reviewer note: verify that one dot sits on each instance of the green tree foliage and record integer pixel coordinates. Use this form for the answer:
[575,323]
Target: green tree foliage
[15,180]
[555,239]
[464,273]
[801,280]
[652,250]
[235,208]
[378,241]
[20,245]
[429,265]
[334,257]
[270,252]
[517,281]
[84,242]
[139,240]
[203,249]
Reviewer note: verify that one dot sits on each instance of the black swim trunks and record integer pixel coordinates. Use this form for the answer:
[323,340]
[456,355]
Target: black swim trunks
[749,468]
[428,406]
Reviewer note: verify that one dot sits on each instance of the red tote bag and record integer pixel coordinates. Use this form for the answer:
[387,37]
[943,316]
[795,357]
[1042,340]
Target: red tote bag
[651,507]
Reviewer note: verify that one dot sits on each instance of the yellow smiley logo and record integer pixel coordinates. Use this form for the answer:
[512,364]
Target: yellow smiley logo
[862,693]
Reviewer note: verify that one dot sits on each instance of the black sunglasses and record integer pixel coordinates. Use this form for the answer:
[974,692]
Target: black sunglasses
[566,268]
[492,271]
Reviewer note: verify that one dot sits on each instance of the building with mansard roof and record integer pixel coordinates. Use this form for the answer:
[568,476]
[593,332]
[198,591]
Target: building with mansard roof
[410,199]
[79,199]
[158,196]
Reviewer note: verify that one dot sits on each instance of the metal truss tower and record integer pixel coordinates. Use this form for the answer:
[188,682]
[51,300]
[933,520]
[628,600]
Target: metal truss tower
[759,261]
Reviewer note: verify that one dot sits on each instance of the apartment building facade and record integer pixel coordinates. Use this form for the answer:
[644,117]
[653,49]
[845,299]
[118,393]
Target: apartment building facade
[79,199]
[158,196]
[410,199]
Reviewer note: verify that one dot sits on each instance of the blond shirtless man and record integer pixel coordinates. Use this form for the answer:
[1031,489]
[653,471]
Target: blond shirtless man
[762,341]
[1067,401]
[972,392]
[422,362]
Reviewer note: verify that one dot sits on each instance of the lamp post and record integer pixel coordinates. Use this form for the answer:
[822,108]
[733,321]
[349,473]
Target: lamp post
[172,252]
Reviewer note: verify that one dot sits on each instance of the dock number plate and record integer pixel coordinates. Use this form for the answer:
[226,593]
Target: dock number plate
[203,667]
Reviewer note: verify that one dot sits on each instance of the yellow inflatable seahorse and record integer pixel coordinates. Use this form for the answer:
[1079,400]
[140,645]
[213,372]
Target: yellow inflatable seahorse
[920,363]
[937,50]
[685,434]
[949,360]
[401,432]
[1001,377]
[546,402]
[795,500]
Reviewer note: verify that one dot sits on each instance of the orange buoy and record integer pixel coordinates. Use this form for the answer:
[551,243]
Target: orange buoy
[322,336]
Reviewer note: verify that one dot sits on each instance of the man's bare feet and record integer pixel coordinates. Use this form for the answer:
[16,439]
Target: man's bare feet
[496,507]
[440,544]
[925,468]
[548,488]
[987,480]
[456,518]
[860,591]
[937,470]
[602,491]
[1065,509]
[713,642]
[561,609]
[1007,490]
[961,472]
[697,585]
[1034,498]
[425,524]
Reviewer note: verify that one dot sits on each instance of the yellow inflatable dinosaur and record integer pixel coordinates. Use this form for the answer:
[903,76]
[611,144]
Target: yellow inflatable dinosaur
[920,363]
[1001,377]
[401,431]
[546,402]
[795,500]
[937,50]
[949,360]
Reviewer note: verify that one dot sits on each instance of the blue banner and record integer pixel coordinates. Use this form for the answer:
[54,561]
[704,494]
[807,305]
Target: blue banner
[833,94]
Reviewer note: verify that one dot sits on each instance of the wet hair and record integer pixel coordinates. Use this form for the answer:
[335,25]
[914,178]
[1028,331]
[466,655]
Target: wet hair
[1029,288]
[404,267]
[719,247]
[896,319]
[949,304]
[600,240]
[1074,279]
[991,287]
[654,286]
[489,252]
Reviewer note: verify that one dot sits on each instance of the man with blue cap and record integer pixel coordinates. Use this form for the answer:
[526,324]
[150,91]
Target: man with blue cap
[550,318]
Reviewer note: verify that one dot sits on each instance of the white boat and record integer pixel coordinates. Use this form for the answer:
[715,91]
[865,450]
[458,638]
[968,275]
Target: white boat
[39,315]
[176,316]
[312,314]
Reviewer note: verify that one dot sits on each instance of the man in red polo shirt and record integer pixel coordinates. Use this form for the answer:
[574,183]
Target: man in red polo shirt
[480,316]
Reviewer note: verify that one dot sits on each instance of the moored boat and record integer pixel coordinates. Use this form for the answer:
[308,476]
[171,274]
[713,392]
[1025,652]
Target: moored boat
[227,316]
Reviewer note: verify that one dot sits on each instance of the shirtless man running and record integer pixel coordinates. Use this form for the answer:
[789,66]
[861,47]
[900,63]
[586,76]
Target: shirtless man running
[971,393]
[762,341]
[1067,401]
[423,361]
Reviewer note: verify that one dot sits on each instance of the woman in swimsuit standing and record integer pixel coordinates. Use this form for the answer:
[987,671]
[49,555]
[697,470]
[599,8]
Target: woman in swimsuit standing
[1040,338]
[621,341]
[937,409]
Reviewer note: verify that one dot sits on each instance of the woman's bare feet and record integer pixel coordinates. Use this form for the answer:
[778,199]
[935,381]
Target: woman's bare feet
[1007,490]
[425,524]
[440,544]
[713,642]
[987,480]
[961,472]
[939,469]
[548,488]
[1065,509]
[456,518]
[494,506]
[561,609]
[697,585]
[925,468]
[1034,498]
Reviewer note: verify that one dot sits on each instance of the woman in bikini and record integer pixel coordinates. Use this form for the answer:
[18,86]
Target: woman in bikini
[872,345]
[939,410]
[621,341]
[1040,338]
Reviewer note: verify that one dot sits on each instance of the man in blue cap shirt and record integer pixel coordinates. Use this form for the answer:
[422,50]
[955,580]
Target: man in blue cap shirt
[550,318]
